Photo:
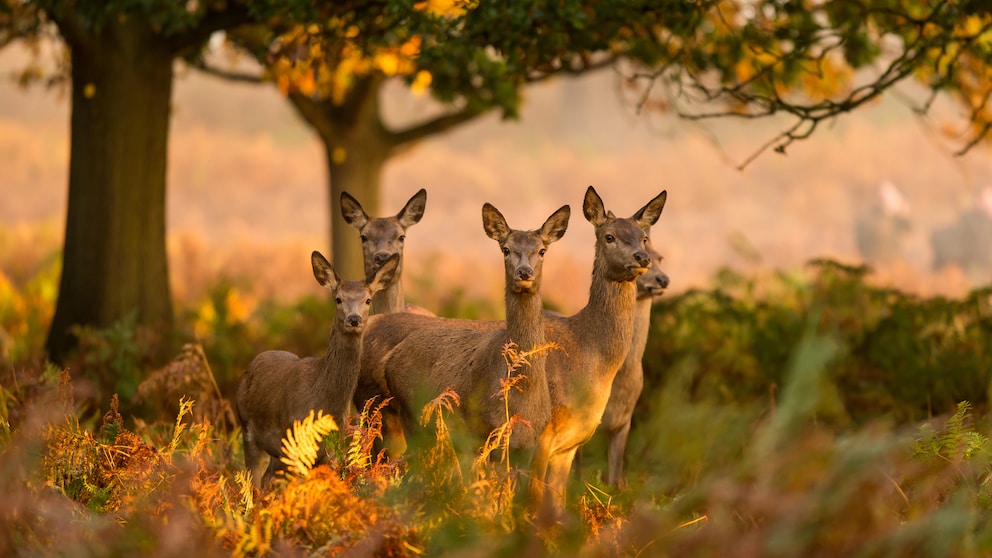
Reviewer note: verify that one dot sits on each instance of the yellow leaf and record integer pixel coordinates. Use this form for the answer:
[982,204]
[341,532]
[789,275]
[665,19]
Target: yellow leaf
[89,90]
[388,63]
[306,84]
[411,48]
[421,82]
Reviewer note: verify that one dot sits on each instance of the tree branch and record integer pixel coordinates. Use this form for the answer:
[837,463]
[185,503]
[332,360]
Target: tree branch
[231,75]
[405,138]
[233,14]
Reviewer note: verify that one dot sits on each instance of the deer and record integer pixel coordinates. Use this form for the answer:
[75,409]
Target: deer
[629,381]
[381,238]
[881,231]
[279,387]
[414,357]
[966,242]
[596,342]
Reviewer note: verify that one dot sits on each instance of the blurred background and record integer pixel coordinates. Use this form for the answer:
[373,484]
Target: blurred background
[248,197]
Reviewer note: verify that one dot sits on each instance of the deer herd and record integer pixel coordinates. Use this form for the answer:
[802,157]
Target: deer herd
[588,376]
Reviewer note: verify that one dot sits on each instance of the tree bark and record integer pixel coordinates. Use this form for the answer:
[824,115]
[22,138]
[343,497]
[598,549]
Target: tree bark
[114,264]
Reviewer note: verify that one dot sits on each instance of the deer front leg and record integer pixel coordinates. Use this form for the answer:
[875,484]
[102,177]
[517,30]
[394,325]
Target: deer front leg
[558,469]
[539,467]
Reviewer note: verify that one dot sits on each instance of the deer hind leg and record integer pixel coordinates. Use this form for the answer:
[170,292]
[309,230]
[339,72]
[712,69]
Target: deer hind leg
[275,465]
[255,459]
[393,433]
[614,454]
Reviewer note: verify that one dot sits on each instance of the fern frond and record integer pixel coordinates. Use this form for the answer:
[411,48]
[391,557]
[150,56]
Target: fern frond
[243,479]
[516,358]
[301,445]
[447,400]
[185,408]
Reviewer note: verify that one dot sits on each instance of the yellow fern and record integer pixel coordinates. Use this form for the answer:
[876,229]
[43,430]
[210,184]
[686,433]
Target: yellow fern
[243,478]
[185,408]
[301,446]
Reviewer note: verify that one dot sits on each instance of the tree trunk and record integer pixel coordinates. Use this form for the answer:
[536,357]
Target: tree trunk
[114,265]
[355,166]
[356,146]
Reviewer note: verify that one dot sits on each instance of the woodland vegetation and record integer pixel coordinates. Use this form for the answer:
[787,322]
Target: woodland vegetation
[800,413]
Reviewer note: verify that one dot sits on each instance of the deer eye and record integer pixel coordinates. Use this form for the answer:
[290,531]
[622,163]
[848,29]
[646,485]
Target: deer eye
[610,238]
[402,237]
[337,300]
[506,251]
[365,238]
[368,301]
[543,250]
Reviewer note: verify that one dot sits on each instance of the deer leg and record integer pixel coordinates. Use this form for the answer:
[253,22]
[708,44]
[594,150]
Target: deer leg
[539,467]
[614,453]
[558,468]
[254,459]
[393,436]
[275,464]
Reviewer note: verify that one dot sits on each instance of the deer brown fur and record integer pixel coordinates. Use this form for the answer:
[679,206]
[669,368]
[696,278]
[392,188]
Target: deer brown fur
[596,341]
[629,381]
[414,357]
[279,387]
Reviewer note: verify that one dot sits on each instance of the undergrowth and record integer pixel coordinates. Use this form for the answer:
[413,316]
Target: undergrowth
[792,416]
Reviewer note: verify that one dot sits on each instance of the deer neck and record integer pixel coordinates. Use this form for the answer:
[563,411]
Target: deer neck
[524,318]
[390,299]
[607,321]
[339,367]
[642,325]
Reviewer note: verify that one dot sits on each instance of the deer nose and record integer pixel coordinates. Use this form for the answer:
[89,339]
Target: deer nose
[663,281]
[642,258]
[380,257]
[525,273]
[354,320]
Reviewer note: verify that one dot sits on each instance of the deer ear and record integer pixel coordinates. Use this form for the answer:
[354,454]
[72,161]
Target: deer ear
[554,228]
[352,211]
[413,211]
[592,207]
[382,277]
[494,223]
[323,271]
[649,214]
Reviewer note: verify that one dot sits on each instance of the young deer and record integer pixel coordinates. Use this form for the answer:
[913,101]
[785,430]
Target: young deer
[629,381]
[596,342]
[415,357]
[383,237]
[279,387]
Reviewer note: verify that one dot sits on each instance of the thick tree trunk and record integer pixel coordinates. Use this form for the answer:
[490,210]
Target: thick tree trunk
[115,265]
